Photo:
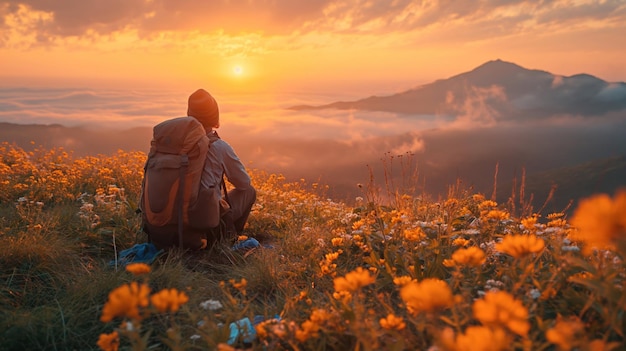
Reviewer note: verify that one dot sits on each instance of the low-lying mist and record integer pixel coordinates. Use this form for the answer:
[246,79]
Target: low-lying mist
[340,148]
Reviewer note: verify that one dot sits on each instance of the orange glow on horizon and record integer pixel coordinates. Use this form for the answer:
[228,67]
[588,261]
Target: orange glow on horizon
[318,46]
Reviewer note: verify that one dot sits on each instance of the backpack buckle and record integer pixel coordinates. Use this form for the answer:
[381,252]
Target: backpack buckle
[184,160]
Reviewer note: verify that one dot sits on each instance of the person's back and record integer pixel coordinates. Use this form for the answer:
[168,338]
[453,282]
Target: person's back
[222,161]
[182,202]
[176,209]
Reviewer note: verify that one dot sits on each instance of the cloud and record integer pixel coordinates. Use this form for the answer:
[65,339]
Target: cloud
[101,108]
[50,21]
[562,11]
[613,92]
[477,107]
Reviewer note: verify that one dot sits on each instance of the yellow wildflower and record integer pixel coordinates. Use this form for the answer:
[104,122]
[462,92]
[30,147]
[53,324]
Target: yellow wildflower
[601,221]
[557,223]
[358,224]
[401,281]
[426,296]
[565,333]
[414,234]
[497,215]
[124,301]
[520,245]
[499,308]
[487,204]
[529,222]
[449,263]
[555,215]
[331,256]
[138,268]
[478,197]
[276,327]
[472,256]
[337,241]
[239,285]
[225,347]
[481,338]
[599,345]
[460,242]
[354,280]
[319,316]
[169,300]
[109,342]
[307,330]
[343,296]
[392,322]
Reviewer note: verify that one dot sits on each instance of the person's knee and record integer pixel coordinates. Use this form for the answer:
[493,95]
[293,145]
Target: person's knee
[252,194]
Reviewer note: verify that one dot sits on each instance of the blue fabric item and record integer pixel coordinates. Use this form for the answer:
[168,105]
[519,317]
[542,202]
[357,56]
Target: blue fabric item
[243,327]
[138,253]
[247,244]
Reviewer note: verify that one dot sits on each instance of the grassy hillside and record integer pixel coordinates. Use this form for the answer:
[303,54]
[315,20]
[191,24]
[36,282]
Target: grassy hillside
[464,273]
[564,186]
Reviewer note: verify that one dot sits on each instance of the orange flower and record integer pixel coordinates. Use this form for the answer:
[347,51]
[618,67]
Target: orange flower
[481,338]
[353,281]
[337,241]
[497,215]
[520,245]
[169,300]
[138,268]
[109,342]
[426,296]
[403,280]
[319,316]
[415,234]
[460,242]
[565,333]
[472,256]
[307,330]
[529,223]
[225,347]
[124,301]
[601,221]
[499,308]
[392,322]
[239,285]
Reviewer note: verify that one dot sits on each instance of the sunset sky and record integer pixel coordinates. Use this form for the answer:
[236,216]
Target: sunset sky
[312,45]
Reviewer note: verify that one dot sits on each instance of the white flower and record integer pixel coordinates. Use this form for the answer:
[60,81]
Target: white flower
[211,305]
[535,294]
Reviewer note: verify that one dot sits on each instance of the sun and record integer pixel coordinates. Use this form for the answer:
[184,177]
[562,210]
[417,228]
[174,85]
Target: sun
[238,70]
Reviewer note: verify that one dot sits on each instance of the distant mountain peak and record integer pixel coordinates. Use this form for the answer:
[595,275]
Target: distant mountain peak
[501,68]
[505,89]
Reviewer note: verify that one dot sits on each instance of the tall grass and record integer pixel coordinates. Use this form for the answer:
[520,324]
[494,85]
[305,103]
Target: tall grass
[394,271]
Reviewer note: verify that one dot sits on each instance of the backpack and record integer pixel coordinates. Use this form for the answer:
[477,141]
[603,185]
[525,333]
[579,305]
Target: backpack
[176,209]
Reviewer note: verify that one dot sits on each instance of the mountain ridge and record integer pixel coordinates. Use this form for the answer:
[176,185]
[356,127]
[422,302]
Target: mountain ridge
[509,90]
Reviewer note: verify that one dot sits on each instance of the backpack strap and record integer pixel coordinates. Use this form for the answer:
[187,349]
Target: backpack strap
[184,164]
